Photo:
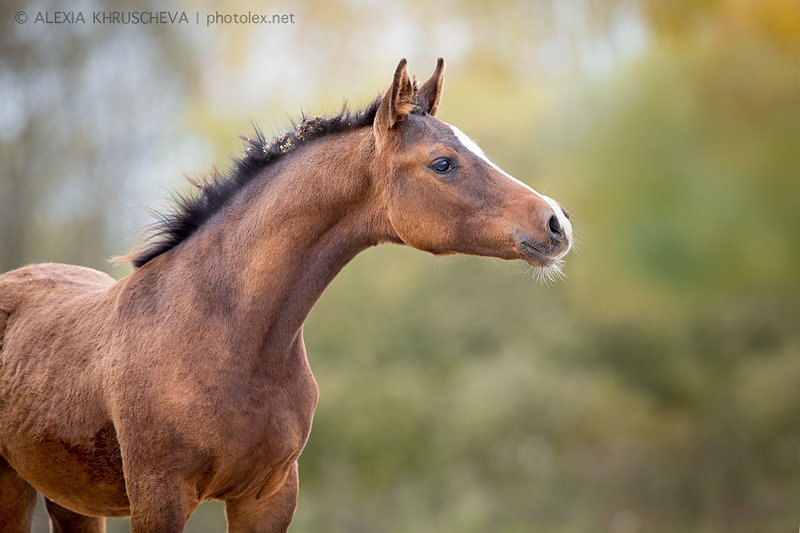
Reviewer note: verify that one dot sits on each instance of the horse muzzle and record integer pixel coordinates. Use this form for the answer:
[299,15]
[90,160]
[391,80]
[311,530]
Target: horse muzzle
[553,244]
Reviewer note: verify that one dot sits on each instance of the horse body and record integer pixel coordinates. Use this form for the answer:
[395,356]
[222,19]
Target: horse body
[188,380]
[51,383]
[91,387]
[208,373]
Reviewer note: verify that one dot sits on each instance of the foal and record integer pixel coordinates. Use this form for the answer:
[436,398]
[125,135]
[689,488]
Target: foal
[188,380]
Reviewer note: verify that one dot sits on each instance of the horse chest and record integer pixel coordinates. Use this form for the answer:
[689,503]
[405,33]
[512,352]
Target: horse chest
[263,436]
[279,418]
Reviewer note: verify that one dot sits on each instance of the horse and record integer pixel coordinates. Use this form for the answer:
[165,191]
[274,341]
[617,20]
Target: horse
[188,379]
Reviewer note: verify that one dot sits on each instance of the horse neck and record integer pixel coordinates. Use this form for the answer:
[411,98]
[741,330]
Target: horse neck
[260,266]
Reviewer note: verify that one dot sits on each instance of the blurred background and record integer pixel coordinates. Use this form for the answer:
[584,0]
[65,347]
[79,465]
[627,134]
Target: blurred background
[655,389]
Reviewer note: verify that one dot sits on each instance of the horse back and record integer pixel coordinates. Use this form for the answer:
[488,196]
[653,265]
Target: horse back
[39,294]
[42,283]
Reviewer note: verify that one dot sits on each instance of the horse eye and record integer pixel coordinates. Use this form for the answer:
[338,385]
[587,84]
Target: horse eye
[442,165]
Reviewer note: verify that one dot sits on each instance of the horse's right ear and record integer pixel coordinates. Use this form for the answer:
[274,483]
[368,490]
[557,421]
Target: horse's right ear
[397,103]
[430,92]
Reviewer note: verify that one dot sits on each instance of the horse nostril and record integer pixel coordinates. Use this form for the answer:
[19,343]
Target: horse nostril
[554,228]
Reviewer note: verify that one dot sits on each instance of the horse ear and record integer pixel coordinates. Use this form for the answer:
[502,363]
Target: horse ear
[397,103]
[431,91]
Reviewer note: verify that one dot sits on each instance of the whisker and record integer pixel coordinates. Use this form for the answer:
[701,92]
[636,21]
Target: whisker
[549,276]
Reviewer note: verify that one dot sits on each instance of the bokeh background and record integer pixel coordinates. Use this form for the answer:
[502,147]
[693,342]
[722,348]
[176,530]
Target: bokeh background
[655,389]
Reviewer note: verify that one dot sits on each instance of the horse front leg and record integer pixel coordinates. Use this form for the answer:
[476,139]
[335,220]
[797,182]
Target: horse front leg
[17,501]
[65,521]
[265,513]
[159,502]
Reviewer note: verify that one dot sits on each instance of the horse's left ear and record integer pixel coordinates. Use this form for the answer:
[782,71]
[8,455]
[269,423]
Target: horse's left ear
[430,92]
[396,103]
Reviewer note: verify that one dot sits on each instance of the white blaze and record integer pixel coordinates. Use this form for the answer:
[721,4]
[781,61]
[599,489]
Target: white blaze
[473,147]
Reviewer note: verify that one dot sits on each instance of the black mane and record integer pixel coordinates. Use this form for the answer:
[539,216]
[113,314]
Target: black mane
[190,211]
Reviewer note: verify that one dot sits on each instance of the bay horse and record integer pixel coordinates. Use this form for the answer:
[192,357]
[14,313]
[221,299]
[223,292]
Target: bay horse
[188,379]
